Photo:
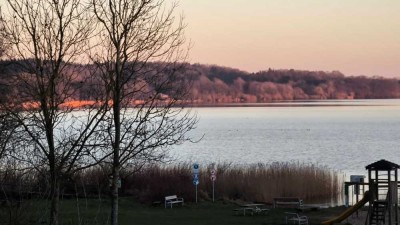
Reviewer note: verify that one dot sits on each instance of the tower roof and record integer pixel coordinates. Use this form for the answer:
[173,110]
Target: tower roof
[382,165]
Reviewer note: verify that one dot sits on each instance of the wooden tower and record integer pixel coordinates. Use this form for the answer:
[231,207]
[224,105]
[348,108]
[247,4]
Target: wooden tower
[383,186]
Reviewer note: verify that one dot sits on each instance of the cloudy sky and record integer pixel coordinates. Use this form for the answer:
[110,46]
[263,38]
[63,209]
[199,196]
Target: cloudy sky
[356,37]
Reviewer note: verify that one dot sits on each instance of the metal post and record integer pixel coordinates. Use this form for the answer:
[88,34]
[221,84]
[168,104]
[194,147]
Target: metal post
[213,188]
[196,193]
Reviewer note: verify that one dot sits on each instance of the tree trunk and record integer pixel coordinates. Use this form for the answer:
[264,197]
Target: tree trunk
[116,155]
[55,200]
[114,196]
[54,173]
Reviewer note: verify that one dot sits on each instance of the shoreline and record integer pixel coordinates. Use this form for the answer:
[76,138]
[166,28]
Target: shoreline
[82,104]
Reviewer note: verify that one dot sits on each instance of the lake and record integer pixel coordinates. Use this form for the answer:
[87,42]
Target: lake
[342,135]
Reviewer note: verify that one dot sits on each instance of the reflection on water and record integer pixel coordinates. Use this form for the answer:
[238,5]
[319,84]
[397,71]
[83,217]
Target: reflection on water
[342,135]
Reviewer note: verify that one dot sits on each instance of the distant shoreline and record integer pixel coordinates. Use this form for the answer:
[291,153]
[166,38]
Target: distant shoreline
[306,103]
[82,104]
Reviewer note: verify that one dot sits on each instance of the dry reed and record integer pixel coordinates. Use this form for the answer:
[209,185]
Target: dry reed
[260,182]
[256,183]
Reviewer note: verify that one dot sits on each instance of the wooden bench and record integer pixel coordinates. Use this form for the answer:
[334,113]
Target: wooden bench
[173,199]
[288,201]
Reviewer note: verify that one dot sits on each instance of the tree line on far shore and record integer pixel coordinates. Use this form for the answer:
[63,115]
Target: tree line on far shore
[212,84]
[215,84]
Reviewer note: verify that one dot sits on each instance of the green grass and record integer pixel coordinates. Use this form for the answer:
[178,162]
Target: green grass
[132,213]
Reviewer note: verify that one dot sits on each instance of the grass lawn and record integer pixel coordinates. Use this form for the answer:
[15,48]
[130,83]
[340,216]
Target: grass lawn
[97,213]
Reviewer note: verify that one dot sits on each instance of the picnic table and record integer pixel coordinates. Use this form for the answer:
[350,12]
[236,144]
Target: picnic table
[256,208]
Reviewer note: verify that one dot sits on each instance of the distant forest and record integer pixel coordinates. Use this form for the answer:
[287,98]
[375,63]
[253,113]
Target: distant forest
[215,84]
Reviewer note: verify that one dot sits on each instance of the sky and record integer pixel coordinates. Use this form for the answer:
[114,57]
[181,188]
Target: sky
[356,37]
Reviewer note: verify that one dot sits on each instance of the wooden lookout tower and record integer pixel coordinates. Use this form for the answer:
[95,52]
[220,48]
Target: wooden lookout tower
[383,186]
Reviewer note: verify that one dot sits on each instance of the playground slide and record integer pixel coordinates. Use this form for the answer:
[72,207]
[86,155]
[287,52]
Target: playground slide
[349,211]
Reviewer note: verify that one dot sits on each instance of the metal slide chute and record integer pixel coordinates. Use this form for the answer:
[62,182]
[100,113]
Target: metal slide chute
[349,211]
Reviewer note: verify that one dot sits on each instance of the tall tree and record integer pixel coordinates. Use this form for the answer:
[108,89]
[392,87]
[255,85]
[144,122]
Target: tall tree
[141,57]
[4,124]
[3,37]
[47,38]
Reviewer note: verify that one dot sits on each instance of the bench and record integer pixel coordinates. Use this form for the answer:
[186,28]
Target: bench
[288,201]
[173,199]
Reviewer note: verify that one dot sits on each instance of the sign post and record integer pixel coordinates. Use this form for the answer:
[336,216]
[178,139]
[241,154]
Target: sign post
[213,178]
[196,171]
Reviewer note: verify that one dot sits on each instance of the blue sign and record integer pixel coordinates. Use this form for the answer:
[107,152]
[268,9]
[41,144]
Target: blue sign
[195,168]
[196,176]
[196,182]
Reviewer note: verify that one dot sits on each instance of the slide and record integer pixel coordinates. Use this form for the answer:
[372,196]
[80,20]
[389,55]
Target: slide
[349,211]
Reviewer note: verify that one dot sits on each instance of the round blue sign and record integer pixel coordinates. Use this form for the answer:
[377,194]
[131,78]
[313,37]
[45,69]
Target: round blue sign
[196,182]
[196,168]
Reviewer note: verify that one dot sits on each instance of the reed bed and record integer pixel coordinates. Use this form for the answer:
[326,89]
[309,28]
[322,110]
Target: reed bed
[256,183]
[259,182]
[263,182]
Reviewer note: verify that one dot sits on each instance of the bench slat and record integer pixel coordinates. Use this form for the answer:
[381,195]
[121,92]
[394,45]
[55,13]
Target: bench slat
[170,197]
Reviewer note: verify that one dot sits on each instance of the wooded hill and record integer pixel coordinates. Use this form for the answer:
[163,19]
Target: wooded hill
[215,84]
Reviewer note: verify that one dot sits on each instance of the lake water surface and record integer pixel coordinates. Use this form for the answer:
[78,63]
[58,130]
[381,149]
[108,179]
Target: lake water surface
[342,135]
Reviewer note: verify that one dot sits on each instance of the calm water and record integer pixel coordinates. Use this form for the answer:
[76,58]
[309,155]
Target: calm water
[342,135]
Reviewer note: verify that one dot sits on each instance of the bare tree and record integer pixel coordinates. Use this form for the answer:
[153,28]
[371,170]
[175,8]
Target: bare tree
[44,131]
[4,124]
[3,36]
[140,59]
